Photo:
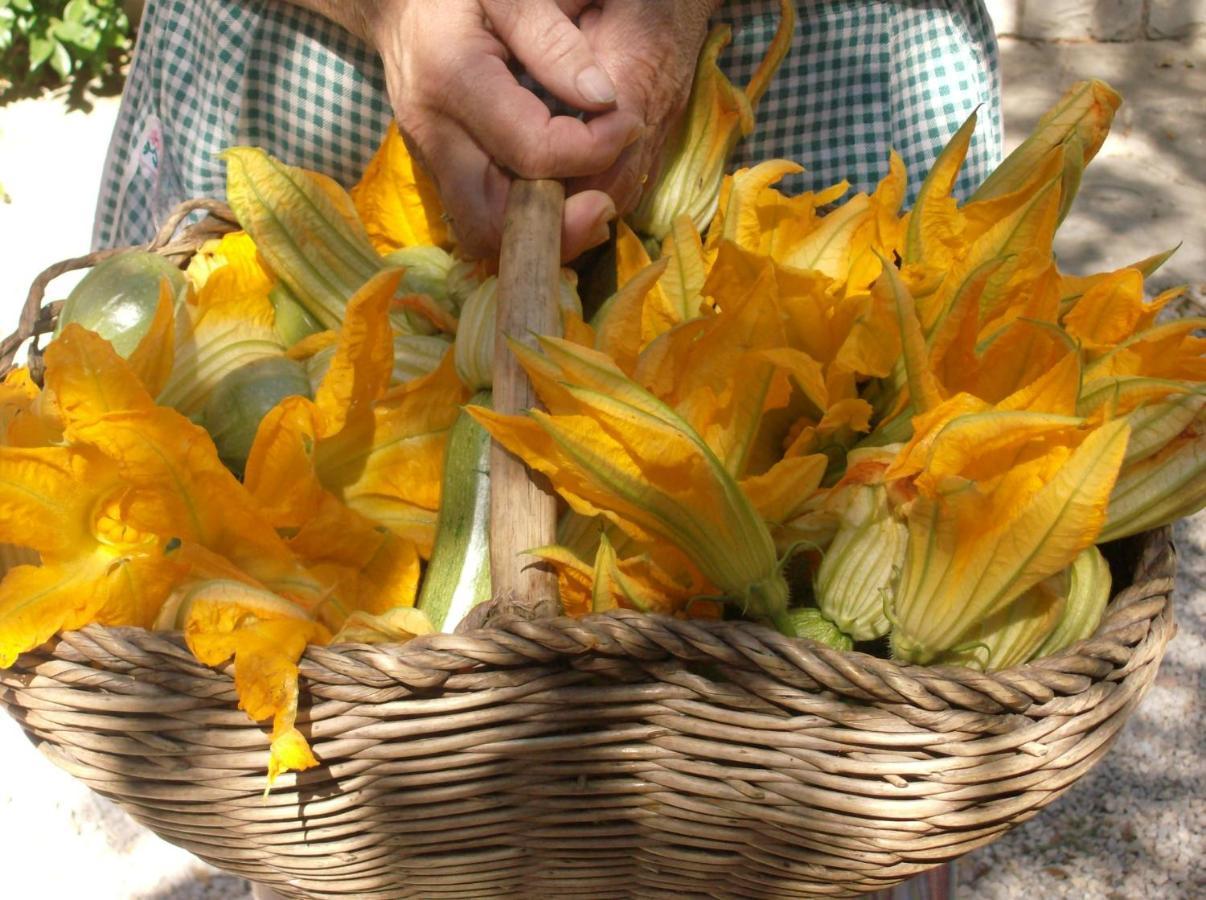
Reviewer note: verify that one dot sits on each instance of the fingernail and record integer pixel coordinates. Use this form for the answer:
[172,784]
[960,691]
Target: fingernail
[607,213]
[600,234]
[635,134]
[596,86]
[602,228]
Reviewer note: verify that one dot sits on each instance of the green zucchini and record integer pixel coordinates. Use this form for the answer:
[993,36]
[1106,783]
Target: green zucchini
[117,299]
[241,399]
[458,575]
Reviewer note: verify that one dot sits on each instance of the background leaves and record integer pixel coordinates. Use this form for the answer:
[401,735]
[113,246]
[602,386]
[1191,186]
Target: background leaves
[47,43]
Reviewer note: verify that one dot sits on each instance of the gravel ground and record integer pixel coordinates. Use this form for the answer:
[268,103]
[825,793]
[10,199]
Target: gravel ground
[1134,827]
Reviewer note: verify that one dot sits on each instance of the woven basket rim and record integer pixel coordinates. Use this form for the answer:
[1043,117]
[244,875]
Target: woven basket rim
[1061,672]
[77,694]
[425,663]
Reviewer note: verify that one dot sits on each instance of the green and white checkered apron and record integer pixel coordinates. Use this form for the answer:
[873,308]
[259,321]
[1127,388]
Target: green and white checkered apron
[861,78]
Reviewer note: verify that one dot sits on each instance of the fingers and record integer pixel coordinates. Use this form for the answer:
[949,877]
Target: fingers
[473,189]
[586,222]
[626,180]
[519,131]
[551,48]
[474,127]
[651,50]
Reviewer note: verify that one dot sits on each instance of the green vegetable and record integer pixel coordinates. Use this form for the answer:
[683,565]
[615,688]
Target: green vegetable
[292,322]
[427,270]
[811,623]
[458,576]
[243,397]
[117,299]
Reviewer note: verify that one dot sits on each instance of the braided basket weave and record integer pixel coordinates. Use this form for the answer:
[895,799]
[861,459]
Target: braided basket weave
[614,756]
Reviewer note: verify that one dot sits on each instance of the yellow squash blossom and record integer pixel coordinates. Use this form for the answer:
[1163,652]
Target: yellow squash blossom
[1162,473]
[1016,231]
[1013,214]
[668,585]
[28,415]
[1074,287]
[762,220]
[184,490]
[394,626]
[388,463]
[933,228]
[1075,128]
[1171,351]
[1016,356]
[825,342]
[1004,499]
[789,230]
[305,228]
[1160,488]
[266,636]
[914,370]
[73,508]
[653,297]
[713,372]
[1157,410]
[226,324]
[1011,636]
[611,448]
[993,246]
[132,509]
[354,475]
[396,201]
[1111,310]
[718,115]
[1056,612]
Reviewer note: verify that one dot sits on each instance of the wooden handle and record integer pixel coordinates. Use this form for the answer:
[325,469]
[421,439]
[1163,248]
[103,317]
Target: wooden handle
[523,508]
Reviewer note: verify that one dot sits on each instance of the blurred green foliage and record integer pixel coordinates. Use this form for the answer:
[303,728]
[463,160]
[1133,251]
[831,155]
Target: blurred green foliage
[46,43]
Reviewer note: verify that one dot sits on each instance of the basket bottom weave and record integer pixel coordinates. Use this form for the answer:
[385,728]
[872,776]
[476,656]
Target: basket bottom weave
[618,756]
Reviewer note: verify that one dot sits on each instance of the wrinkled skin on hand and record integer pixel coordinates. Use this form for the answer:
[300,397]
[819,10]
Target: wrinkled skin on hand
[449,72]
[651,49]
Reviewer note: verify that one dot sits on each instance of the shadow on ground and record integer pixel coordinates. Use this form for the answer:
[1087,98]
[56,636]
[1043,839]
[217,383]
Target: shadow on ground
[1146,190]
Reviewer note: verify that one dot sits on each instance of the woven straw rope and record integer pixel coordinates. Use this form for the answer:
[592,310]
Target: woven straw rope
[613,756]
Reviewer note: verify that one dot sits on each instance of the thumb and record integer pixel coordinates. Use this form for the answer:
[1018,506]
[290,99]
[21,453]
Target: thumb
[553,51]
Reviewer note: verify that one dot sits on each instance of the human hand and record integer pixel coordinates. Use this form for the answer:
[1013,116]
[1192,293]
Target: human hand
[650,48]
[472,125]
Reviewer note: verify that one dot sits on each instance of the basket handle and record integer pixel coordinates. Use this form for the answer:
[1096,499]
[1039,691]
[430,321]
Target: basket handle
[523,507]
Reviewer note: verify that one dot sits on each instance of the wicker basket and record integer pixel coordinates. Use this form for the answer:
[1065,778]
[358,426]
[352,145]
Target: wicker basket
[620,755]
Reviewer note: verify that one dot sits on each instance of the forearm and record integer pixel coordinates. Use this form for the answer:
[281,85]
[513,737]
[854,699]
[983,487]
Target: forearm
[353,15]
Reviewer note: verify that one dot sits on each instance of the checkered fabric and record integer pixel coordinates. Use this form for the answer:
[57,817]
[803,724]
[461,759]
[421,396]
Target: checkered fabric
[862,76]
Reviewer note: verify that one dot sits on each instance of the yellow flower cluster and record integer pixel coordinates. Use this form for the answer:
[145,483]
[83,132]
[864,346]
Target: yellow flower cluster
[122,512]
[917,409]
[922,400]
